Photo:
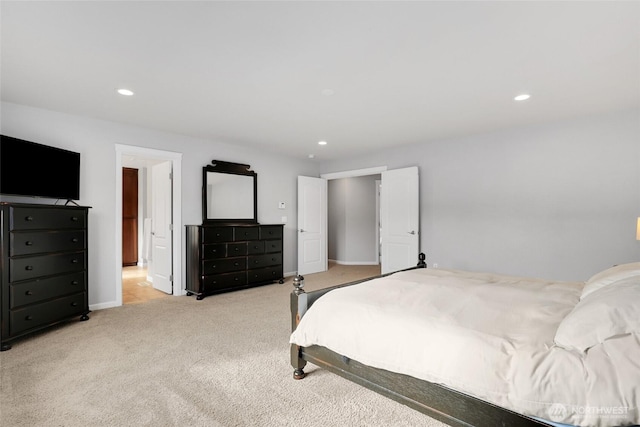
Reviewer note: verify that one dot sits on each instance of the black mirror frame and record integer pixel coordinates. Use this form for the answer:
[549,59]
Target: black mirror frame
[235,169]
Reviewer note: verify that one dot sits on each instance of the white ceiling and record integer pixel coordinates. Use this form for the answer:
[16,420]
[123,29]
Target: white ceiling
[255,73]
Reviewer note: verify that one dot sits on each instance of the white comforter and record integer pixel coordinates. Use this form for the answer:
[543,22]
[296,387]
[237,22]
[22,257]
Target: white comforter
[490,336]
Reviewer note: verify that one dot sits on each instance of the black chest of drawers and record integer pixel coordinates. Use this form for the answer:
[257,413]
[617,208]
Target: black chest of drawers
[224,258]
[44,267]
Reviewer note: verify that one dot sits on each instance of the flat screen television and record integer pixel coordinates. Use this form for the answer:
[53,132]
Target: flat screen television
[37,170]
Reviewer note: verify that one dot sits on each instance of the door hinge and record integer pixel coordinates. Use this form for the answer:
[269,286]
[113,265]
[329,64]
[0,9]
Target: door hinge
[170,176]
[171,278]
[171,227]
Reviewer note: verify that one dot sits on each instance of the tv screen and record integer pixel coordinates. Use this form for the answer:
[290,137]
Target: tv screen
[37,170]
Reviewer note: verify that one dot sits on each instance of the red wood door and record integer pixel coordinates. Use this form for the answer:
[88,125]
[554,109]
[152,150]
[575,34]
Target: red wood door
[129,216]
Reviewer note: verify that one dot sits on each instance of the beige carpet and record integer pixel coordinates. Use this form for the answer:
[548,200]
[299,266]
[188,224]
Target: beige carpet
[222,361]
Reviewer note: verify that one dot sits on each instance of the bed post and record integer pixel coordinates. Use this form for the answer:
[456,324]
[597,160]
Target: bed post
[421,262]
[298,308]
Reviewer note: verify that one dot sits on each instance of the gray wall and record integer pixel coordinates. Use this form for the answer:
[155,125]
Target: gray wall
[96,139]
[557,200]
[352,220]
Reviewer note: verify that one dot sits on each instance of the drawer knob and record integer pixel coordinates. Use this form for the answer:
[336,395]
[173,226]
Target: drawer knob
[74,304]
[74,261]
[74,282]
[74,240]
[28,243]
[236,264]
[28,318]
[29,267]
[28,293]
[28,218]
[74,218]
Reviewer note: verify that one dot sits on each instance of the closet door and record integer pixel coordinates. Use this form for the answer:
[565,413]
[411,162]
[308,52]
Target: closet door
[129,217]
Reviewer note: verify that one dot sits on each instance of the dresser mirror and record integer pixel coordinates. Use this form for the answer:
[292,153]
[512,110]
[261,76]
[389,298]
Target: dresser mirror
[229,193]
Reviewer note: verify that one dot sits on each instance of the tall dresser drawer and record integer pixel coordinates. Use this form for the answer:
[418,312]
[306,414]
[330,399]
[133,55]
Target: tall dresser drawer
[41,314]
[27,218]
[23,293]
[224,265]
[35,242]
[45,265]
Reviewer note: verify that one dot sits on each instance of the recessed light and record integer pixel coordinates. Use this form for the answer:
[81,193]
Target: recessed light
[125,92]
[322,142]
[311,156]
[522,97]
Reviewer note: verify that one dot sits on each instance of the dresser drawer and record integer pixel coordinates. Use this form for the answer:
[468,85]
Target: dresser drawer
[256,247]
[216,234]
[223,265]
[33,291]
[29,218]
[26,243]
[272,246]
[39,315]
[218,250]
[224,281]
[45,265]
[236,249]
[270,232]
[257,261]
[245,233]
[264,274]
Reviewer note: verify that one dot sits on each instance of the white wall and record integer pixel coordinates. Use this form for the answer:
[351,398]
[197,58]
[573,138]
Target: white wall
[352,220]
[96,139]
[557,201]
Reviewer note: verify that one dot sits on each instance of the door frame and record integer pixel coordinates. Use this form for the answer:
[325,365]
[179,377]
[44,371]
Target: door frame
[376,170]
[176,168]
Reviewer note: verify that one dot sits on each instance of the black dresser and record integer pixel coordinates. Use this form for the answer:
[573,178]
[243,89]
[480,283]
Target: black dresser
[44,267]
[222,258]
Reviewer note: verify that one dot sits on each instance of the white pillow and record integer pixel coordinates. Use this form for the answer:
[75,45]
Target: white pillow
[610,275]
[611,311]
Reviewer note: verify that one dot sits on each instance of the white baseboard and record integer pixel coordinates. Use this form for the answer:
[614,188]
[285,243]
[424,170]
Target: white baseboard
[354,262]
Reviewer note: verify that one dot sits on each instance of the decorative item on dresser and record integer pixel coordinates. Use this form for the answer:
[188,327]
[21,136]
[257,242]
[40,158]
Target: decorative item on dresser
[230,250]
[44,267]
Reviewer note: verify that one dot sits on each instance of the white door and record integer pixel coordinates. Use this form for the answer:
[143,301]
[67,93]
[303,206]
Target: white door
[312,225]
[399,219]
[161,234]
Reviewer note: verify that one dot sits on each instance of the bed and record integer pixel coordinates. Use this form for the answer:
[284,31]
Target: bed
[482,349]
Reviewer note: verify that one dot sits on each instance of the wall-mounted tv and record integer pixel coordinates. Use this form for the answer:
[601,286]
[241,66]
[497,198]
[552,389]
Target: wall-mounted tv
[37,170]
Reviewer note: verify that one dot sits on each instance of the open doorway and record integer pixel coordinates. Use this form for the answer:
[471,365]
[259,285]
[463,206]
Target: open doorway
[141,279]
[399,218]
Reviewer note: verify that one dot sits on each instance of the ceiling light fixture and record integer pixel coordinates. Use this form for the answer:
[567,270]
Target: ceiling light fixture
[522,97]
[322,142]
[311,156]
[125,92]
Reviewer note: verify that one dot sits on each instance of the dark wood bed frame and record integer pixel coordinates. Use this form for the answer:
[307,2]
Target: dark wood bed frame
[437,401]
